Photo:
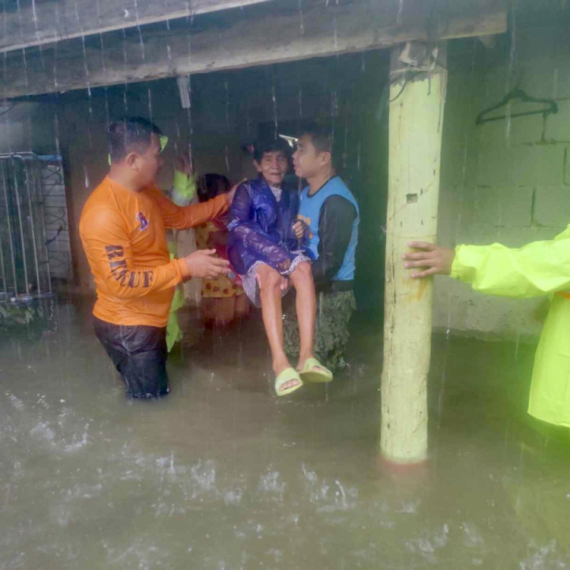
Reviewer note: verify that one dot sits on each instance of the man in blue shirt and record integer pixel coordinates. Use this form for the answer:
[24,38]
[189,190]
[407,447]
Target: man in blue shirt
[331,216]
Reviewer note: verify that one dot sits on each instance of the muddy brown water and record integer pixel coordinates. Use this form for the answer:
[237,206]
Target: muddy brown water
[223,475]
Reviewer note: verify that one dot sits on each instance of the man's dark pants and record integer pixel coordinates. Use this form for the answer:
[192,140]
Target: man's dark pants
[139,354]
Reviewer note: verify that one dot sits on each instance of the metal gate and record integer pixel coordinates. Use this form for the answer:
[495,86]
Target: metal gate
[24,261]
[56,218]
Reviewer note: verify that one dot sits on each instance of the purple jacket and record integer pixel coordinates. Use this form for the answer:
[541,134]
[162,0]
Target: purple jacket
[261,229]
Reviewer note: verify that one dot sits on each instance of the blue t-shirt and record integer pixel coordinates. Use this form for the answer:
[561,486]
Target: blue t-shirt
[309,212]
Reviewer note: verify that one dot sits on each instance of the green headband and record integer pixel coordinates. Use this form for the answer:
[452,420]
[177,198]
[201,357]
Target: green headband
[163,140]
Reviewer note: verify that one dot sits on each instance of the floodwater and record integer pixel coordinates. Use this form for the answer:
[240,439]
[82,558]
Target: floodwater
[223,475]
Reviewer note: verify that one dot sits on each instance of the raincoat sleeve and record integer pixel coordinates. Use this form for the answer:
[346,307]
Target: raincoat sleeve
[108,247]
[184,217]
[248,234]
[536,269]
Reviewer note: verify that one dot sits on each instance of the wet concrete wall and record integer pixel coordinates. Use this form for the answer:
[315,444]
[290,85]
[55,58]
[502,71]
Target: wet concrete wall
[84,141]
[26,126]
[504,181]
[230,109]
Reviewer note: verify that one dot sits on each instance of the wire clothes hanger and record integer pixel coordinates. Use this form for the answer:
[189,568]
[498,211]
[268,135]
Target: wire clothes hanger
[519,95]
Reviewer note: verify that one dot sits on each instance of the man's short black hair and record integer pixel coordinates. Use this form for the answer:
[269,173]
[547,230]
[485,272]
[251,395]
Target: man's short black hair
[322,139]
[128,134]
[271,145]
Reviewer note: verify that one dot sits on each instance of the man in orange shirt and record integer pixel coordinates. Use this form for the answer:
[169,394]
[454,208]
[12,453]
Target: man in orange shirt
[122,229]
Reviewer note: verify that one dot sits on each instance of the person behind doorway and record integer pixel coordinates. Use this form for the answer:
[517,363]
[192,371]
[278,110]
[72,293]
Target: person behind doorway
[331,218]
[223,299]
[536,269]
[262,247]
[122,230]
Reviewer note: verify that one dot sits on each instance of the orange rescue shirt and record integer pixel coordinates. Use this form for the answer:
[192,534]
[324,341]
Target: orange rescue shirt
[123,235]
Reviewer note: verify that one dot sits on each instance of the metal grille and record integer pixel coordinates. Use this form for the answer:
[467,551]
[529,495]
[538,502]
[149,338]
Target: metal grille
[55,217]
[24,262]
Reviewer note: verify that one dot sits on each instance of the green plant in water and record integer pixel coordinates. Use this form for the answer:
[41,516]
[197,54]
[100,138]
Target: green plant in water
[12,315]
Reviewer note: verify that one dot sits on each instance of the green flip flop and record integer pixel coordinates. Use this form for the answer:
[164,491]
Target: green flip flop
[314,371]
[286,376]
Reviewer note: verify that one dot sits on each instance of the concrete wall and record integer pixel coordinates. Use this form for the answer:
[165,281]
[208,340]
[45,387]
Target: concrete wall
[27,126]
[85,149]
[233,108]
[504,181]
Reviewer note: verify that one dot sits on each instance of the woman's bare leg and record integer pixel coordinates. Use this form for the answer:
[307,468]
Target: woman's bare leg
[272,312]
[306,305]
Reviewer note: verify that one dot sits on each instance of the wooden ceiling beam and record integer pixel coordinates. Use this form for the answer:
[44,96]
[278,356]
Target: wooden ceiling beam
[264,34]
[29,23]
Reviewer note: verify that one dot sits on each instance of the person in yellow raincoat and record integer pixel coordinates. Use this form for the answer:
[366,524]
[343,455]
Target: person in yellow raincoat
[183,192]
[537,269]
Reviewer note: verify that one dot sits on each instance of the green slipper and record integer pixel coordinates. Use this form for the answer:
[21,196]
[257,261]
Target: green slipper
[314,371]
[286,376]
